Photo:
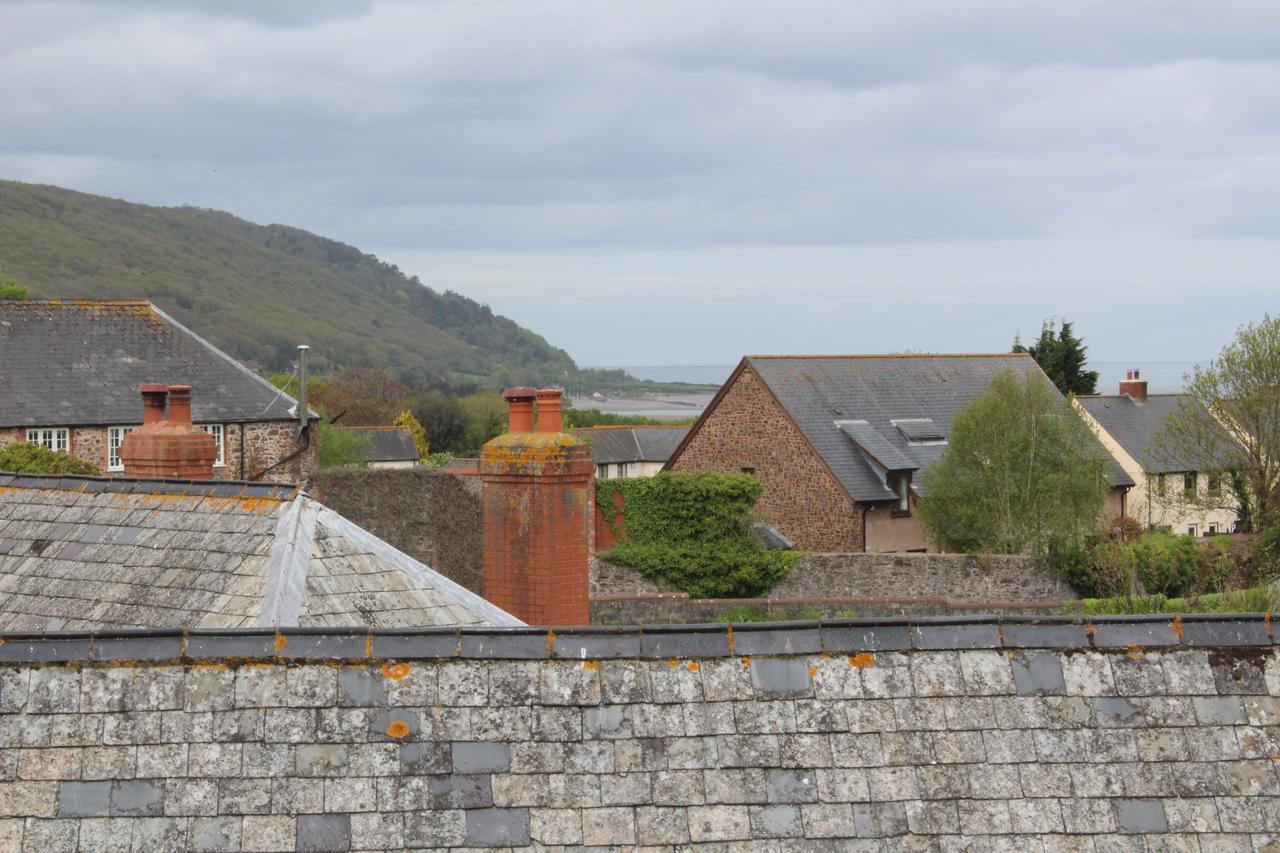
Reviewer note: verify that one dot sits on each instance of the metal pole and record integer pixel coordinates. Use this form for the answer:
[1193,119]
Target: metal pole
[302,388]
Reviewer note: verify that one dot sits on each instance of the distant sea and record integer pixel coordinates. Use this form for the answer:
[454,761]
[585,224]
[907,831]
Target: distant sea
[1161,376]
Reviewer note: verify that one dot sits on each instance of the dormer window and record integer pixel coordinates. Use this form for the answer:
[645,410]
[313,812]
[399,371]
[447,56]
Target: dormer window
[902,488]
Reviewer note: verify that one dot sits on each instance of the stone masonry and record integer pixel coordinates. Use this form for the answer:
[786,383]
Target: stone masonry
[1011,734]
[750,430]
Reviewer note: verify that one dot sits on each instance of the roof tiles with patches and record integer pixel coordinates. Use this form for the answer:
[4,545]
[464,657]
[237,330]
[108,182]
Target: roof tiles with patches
[884,391]
[79,363]
[88,554]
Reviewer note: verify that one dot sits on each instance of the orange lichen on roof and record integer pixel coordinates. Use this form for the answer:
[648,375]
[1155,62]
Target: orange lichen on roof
[141,308]
[396,671]
[863,659]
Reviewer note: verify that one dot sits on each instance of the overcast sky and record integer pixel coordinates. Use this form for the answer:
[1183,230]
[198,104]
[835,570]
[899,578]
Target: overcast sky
[683,183]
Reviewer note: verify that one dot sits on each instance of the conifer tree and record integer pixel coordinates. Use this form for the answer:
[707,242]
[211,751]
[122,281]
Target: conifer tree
[1061,355]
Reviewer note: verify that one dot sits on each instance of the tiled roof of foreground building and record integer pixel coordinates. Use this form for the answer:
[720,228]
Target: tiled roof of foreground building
[1120,734]
[83,553]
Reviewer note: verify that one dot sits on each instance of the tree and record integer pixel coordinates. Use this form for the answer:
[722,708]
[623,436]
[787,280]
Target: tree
[406,420]
[1229,425]
[486,414]
[10,289]
[1061,355]
[442,418]
[1021,473]
[24,458]
[341,448]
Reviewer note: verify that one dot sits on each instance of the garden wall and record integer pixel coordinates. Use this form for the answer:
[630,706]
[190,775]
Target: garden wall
[1014,734]
[431,515]
[858,584]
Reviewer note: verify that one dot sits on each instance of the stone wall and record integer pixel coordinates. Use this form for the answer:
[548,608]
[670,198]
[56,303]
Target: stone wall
[748,430]
[831,585]
[429,514]
[1126,734]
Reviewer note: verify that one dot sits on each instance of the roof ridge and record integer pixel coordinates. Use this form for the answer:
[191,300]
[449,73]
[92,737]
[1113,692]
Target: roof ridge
[904,355]
[380,427]
[150,485]
[79,303]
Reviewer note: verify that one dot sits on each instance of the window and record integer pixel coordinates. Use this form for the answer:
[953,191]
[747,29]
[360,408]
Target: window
[216,431]
[1213,527]
[1191,530]
[1189,482]
[902,485]
[1159,484]
[602,471]
[58,438]
[747,470]
[622,469]
[115,437]
[1215,484]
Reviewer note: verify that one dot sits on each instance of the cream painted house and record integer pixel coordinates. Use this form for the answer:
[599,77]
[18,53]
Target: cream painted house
[1127,424]
[627,451]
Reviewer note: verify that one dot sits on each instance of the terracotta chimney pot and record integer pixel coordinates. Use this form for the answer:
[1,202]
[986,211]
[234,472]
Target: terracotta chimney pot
[520,408]
[168,447]
[1134,386]
[153,402]
[550,417]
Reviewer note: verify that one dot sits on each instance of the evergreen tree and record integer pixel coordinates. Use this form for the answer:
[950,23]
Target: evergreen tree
[1061,355]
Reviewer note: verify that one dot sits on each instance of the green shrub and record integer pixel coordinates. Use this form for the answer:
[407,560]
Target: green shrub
[694,531]
[1166,564]
[24,458]
[1215,565]
[1100,568]
[1264,555]
[1254,600]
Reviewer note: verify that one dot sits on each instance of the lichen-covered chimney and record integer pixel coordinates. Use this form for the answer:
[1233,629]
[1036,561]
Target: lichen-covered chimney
[1133,385]
[168,446]
[538,500]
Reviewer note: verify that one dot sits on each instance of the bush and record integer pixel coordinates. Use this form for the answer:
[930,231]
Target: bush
[1102,567]
[693,530]
[1125,529]
[1166,564]
[1264,556]
[1254,600]
[1215,565]
[24,458]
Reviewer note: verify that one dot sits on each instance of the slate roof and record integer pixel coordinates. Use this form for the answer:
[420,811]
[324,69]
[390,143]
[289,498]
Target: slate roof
[387,444]
[883,401]
[1134,426]
[611,445]
[79,363]
[87,553]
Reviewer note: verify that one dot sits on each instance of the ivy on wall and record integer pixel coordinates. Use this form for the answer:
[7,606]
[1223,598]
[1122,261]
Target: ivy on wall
[692,530]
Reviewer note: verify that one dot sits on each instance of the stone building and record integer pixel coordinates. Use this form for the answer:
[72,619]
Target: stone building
[838,442]
[72,371]
[386,446]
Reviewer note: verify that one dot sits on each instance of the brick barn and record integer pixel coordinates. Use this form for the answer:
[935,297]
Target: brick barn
[72,370]
[838,442]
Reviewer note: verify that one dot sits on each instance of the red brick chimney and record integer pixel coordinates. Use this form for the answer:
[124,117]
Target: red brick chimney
[538,498]
[1133,385]
[168,447]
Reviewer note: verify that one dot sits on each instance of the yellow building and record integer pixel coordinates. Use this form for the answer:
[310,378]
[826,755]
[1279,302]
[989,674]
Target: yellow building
[1127,424]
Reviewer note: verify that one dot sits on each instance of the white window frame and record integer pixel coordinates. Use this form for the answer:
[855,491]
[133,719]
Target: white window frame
[115,438]
[54,438]
[219,433]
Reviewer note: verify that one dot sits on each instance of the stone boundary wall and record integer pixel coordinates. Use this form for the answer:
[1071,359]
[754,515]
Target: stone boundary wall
[433,516]
[837,585]
[1013,734]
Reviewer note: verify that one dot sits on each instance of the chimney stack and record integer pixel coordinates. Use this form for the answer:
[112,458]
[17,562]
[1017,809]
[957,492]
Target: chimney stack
[1134,386]
[538,498]
[168,447]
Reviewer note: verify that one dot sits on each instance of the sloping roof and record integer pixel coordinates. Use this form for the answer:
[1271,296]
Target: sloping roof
[611,445]
[883,391]
[1134,426]
[387,444]
[86,553]
[80,363]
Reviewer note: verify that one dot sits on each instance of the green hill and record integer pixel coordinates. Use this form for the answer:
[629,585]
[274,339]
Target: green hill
[259,290]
